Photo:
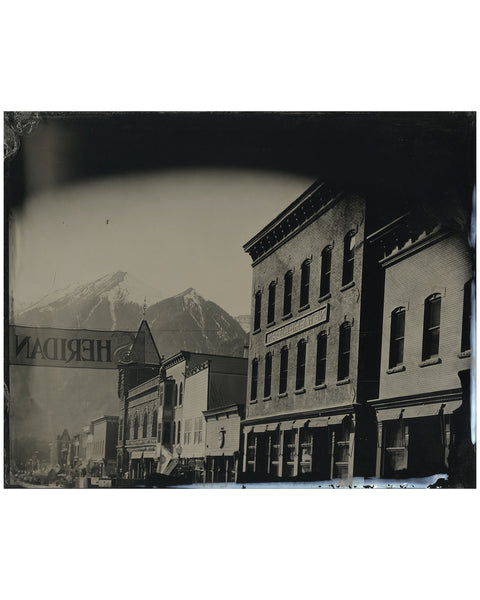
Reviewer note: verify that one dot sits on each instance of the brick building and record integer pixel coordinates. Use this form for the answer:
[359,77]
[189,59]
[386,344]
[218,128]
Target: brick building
[162,423]
[214,390]
[223,442]
[314,350]
[61,451]
[138,392]
[423,408]
[101,453]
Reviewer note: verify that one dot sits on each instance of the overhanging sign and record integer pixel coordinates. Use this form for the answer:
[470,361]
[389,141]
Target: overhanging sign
[84,348]
[314,318]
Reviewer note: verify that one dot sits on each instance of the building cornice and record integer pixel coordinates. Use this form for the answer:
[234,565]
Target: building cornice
[232,408]
[414,399]
[406,236]
[307,208]
[331,411]
[181,356]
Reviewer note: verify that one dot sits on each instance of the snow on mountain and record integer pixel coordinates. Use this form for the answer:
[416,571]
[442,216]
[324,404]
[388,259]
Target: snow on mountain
[244,321]
[71,397]
[110,302]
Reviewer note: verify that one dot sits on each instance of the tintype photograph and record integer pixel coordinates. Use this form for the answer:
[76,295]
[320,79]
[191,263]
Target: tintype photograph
[239,300]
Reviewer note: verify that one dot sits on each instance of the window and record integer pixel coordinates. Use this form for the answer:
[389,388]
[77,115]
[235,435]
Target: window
[120,429]
[253,394]
[179,427]
[397,337]
[135,427]
[197,434]
[129,426]
[173,432]
[154,423]
[180,395]
[283,370]
[348,257]
[271,302]
[467,317]
[287,292]
[267,388]
[258,311]
[431,326]
[305,283]
[166,432]
[176,394]
[145,425]
[188,432]
[344,351]
[321,358]
[326,270]
[301,353]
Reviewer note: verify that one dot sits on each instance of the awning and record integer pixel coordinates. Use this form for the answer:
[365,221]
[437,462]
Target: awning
[389,414]
[336,419]
[272,426]
[136,454]
[450,407]
[422,410]
[150,454]
[261,428]
[318,422]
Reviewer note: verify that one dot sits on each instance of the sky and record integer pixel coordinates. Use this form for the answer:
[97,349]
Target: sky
[171,229]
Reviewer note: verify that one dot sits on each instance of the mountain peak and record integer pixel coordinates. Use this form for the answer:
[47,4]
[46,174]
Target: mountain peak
[188,292]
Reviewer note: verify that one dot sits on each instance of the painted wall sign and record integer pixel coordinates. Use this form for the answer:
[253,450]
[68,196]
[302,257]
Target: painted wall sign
[301,324]
[79,348]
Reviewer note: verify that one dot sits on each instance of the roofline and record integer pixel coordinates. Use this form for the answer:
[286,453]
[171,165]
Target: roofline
[308,192]
[220,409]
[187,353]
[153,340]
[103,417]
[376,235]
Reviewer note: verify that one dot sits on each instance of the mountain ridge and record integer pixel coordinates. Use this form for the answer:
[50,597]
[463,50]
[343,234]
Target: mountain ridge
[72,397]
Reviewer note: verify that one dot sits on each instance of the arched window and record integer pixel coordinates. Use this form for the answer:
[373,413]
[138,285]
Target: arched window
[145,425]
[283,370]
[154,423]
[431,326]
[467,317]
[173,432]
[326,270]
[305,283]
[287,293]
[271,302]
[135,427]
[129,427]
[267,388]
[321,369]
[179,427]
[180,394]
[120,429]
[176,394]
[253,391]
[348,257]
[397,337]
[301,355]
[344,351]
[257,311]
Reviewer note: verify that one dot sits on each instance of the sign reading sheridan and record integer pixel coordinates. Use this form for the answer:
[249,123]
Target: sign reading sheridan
[314,318]
[84,348]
